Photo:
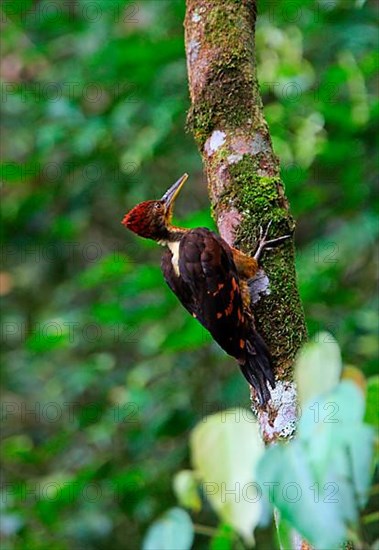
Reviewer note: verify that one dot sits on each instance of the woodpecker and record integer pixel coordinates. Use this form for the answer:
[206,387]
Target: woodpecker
[211,280]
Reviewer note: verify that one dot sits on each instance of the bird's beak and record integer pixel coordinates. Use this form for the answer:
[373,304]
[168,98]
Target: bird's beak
[170,195]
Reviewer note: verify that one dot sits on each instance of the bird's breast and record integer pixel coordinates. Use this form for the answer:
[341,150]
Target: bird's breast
[174,248]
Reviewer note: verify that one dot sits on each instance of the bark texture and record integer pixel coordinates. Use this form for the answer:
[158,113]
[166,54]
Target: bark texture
[245,188]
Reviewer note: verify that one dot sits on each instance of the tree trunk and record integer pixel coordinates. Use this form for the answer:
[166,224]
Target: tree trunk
[245,188]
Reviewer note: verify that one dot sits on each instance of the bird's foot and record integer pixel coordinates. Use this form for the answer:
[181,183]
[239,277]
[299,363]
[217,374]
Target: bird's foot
[264,243]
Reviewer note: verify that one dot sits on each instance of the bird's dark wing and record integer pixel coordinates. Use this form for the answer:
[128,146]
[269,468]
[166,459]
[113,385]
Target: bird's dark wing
[207,268]
[208,287]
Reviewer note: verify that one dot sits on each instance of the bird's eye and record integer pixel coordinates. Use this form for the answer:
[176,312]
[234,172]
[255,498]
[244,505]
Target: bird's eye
[158,206]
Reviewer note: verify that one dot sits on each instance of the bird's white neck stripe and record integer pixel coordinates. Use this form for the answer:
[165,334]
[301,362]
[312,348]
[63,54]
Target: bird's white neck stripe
[174,247]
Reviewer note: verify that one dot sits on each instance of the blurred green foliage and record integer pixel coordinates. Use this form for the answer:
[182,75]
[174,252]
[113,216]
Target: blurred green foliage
[105,374]
[319,483]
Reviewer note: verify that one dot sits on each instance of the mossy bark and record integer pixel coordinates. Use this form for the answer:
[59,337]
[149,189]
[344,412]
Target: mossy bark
[246,191]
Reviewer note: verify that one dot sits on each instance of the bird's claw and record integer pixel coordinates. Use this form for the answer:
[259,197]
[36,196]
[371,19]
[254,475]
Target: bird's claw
[264,233]
[263,243]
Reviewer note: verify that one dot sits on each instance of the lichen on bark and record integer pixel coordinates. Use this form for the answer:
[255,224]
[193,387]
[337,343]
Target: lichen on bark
[246,191]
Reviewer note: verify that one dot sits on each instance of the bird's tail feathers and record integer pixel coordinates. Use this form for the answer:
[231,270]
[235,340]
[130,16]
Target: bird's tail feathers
[257,368]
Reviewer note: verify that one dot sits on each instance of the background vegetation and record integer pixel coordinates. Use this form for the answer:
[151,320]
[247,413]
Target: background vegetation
[105,374]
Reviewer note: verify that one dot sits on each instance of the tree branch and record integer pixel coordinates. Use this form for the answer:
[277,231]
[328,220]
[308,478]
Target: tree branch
[243,173]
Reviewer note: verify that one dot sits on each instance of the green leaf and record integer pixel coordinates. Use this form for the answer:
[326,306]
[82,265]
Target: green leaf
[332,424]
[318,367]
[185,488]
[372,401]
[172,531]
[340,445]
[319,481]
[286,479]
[226,448]
[284,531]
[223,539]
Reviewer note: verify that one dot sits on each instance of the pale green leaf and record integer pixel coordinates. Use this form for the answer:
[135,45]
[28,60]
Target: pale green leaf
[226,448]
[286,478]
[186,490]
[172,531]
[318,367]
[323,477]
[331,423]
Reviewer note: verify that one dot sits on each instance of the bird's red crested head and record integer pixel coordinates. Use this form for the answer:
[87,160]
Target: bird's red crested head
[152,219]
[147,219]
